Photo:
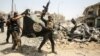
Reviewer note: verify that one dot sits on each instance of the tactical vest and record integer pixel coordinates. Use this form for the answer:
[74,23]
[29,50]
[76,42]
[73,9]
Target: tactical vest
[15,25]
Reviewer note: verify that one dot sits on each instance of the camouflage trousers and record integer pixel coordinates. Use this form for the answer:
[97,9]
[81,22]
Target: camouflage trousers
[47,36]
[16,40]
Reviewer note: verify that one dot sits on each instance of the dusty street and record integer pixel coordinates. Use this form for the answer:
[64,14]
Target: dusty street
[30,45]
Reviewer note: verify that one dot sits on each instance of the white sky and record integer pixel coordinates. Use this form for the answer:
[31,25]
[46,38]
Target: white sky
[69,8]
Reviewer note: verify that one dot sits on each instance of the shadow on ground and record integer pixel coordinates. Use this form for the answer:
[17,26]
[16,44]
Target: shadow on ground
[4,43]
[26,51]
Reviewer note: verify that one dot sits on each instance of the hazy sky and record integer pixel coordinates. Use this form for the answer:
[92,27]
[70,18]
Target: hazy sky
[69,8]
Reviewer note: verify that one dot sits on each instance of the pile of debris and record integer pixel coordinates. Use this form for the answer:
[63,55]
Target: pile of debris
[78,33]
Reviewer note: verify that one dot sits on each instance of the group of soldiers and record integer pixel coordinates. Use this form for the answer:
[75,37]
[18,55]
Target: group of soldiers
[13,28]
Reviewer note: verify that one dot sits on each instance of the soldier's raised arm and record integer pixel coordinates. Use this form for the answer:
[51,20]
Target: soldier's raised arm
[46,7]
[44,11]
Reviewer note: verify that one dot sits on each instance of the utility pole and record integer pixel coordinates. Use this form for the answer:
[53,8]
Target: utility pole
[12,8]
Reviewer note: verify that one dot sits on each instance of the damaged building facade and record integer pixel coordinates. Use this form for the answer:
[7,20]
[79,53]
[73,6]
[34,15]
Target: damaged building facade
[92,15]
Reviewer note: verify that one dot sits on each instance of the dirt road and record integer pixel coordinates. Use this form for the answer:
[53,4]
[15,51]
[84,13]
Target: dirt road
[30,45]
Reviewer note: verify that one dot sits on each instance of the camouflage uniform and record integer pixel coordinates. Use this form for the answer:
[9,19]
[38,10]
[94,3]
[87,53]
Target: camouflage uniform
[48,30]
[14,31]
[9,29]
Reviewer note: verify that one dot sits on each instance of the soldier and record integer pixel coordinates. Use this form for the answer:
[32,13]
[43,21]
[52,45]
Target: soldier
[15,30]
[8,28]
[48,29]
[2,24]
[48,33]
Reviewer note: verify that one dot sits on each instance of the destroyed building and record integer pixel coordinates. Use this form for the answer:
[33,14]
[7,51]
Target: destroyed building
[92,15]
